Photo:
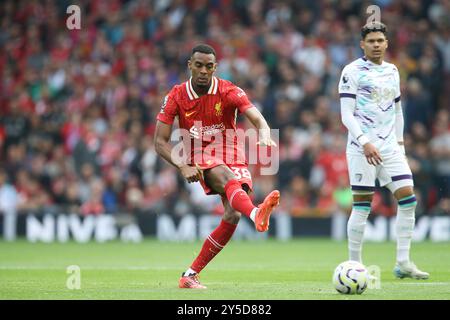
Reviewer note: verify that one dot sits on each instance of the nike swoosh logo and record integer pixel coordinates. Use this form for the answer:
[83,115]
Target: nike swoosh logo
[188,114]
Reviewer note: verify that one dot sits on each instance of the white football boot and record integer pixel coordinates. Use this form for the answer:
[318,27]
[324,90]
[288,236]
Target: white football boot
[408,269]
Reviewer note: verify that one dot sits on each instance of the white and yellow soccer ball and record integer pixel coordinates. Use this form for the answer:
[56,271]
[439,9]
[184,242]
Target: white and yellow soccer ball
[350,277]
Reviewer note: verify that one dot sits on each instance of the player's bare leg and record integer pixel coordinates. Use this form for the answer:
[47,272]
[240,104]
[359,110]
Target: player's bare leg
[218,177]
[230,215]
[407,202]
[223,181]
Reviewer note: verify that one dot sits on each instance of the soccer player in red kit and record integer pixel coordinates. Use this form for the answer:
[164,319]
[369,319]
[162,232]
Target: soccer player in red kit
[206,105]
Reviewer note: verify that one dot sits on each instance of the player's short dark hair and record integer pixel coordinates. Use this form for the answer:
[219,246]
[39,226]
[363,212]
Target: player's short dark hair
[374,26]
[203,48]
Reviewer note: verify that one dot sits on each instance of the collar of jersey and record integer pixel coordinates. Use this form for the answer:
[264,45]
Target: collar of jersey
[193,95]
[371,63]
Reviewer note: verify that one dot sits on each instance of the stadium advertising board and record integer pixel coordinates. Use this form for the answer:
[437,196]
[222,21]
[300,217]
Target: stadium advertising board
[47,227]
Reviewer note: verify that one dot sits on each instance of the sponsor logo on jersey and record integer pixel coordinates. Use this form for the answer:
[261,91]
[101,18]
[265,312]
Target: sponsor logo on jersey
[197,132]
[194,132]
[382,95]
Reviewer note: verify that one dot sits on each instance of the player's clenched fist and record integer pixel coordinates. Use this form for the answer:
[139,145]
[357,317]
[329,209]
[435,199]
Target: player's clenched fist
[191,174]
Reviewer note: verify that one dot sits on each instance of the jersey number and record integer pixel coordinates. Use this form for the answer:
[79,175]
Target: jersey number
[241,173]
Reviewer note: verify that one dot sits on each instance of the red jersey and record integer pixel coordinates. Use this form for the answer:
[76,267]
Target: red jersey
[208,118]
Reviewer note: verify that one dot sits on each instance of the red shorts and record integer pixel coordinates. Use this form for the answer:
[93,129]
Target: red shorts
[240,171]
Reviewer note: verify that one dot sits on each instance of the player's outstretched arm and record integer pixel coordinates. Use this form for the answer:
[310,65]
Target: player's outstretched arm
[164,149]
[257,119]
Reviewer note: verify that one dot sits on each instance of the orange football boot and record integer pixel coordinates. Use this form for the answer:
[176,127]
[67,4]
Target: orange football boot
[265,209]
[190,282]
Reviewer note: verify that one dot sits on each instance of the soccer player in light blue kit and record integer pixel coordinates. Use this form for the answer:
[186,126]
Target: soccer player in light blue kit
[371,110]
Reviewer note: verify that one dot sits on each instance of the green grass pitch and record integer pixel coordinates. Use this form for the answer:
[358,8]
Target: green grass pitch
[298,269]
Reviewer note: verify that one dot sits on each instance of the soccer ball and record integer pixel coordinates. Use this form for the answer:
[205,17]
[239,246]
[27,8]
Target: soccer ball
[350,277]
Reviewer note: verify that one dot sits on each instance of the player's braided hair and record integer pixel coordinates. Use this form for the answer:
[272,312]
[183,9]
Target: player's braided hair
[373,27]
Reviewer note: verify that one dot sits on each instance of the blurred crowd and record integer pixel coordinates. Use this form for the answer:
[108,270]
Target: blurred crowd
[78,107]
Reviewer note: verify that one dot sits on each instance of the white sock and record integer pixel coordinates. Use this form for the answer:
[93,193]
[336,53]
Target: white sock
[355,229]
[253,214]
[405,226]
[189,272]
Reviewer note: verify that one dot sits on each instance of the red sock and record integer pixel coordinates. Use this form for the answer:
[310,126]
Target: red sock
[213,244]
[238,198]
